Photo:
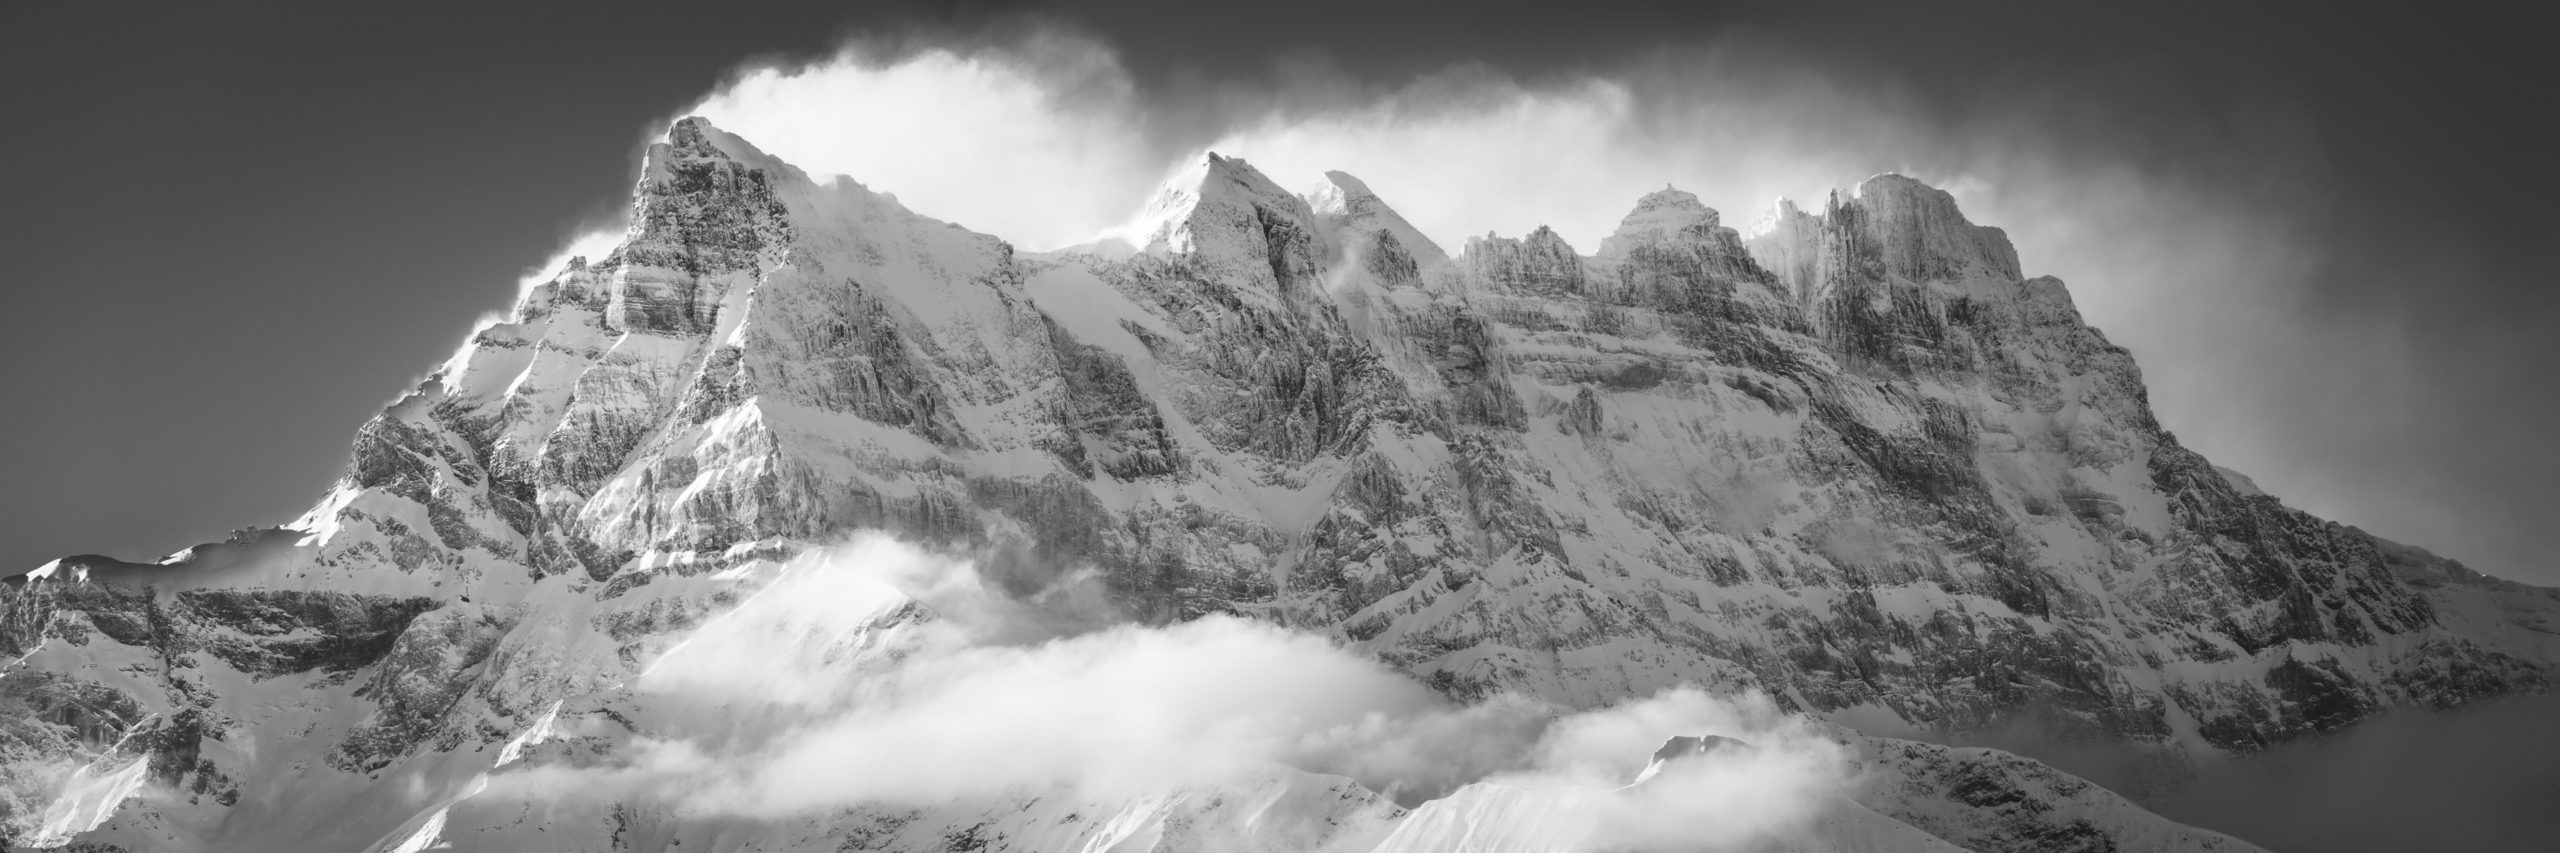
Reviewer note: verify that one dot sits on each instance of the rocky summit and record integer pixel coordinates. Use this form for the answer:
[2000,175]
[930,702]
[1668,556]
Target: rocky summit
[1853,459]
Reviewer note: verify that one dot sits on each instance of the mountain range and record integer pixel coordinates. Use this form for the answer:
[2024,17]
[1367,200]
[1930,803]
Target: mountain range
[1851,459]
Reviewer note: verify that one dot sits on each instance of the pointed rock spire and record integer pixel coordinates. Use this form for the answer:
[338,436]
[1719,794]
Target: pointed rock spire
[1211,194]
[705,208]
[1788,243]
[1347,205]
[1223,213]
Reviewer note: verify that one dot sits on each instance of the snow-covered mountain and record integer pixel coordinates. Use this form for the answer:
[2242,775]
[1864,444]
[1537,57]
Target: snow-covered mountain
[1855,460]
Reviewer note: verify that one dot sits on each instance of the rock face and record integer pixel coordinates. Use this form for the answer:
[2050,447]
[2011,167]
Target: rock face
[1855,459]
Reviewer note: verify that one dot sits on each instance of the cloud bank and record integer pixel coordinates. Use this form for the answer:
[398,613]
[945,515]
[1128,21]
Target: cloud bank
[877,674]
[1041,141]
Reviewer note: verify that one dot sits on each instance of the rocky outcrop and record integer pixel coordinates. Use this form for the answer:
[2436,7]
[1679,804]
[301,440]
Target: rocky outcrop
[1540,264]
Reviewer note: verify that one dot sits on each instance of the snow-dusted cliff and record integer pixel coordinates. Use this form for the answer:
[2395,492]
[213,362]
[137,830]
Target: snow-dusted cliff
[1855,460]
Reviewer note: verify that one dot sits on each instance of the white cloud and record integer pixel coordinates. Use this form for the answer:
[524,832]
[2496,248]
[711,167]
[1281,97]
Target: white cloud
[1048,141]
[1038,142]
[821,691]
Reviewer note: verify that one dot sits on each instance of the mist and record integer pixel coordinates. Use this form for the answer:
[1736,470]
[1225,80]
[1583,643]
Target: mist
[879,674]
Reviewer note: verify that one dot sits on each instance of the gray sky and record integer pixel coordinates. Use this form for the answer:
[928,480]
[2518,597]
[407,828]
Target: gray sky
[233,235]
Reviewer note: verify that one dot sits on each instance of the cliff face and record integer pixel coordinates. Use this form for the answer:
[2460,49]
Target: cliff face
[1856,460]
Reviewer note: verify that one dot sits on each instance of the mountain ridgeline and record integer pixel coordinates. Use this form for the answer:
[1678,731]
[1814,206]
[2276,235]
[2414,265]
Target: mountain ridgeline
[1852,458]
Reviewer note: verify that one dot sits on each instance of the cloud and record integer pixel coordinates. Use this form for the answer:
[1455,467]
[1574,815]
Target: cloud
[832,687]
[1039,140]
[1779,778]
[1046,138]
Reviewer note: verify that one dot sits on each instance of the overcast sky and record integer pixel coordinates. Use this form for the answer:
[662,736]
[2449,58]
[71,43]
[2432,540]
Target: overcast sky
[232,235]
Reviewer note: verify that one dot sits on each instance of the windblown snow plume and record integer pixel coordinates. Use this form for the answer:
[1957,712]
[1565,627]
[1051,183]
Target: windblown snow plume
[879,675]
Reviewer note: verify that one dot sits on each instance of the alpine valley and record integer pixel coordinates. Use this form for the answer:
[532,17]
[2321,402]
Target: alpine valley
[1852,459]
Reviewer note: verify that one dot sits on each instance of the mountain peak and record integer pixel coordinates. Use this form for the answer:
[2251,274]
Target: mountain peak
[1782,214]
[695,136]
[1659,215]
[694,139]
[1206,184]
[1894,182]
[694,125]
[1669,198]
[1231,175]
[1679,750]
[1341,195]
[1925,236]
[1915,229]
[1348,184]
[1347,202]
[1679,747]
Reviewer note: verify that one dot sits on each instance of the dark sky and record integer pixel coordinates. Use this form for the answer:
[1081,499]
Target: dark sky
[233,233]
